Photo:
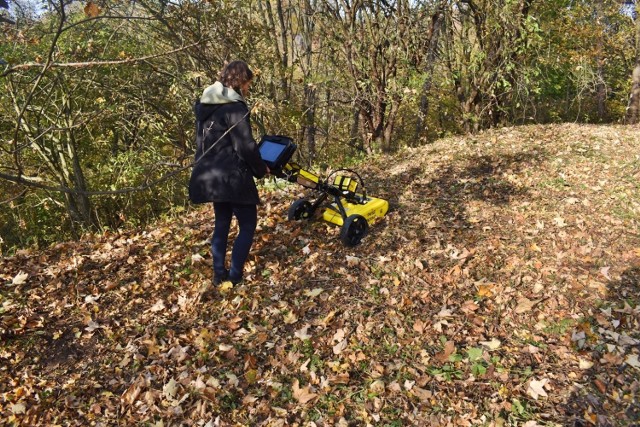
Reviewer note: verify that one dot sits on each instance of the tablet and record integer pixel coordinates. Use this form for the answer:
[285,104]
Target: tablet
[276,151]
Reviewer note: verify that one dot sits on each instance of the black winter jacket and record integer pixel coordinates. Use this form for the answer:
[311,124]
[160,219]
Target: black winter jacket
[225,172]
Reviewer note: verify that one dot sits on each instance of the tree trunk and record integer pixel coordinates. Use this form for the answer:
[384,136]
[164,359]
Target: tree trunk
[633,111]
[354,140]
[280,45]
[601,89]
[310,90]
[436,24]
[285,49]
[389,145]
[310,119]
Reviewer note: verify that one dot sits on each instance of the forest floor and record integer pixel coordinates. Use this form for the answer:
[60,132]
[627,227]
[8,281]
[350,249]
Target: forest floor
[501,289]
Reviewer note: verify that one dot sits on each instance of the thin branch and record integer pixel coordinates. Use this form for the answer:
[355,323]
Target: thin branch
[95,18]
[11,199]
[95,63]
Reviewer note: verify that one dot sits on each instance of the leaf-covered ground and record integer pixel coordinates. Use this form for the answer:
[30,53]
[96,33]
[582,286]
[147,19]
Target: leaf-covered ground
[501,289]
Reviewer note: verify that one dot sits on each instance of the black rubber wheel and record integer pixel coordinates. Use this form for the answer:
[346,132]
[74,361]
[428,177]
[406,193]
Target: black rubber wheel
[353,230]
[300,209]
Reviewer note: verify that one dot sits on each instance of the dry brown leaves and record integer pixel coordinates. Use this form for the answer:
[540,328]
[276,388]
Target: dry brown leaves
[501,289]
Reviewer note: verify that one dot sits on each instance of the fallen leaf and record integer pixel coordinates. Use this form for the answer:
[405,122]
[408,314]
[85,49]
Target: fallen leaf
[377,386]
[602,388]
[251,376]
[92,326]
[131,394]
[18,408]
[632,360]
[290,318]
[158,306]
[313,292]
[421,393]
[438,325]
[525,305]
[339,335]
[20,278]
[445,312]
[419,326]
[352,261]
[485,290]
[170,389]
[605,272]
[494,344]
[302,333]
[538,287]
[225,286]
[302,395]
[91,299]
[338,348]
[559,222]
[449,348]
[536,388]
[585,364]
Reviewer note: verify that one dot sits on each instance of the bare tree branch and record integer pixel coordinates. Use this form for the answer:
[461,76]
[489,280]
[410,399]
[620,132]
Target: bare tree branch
[95,63]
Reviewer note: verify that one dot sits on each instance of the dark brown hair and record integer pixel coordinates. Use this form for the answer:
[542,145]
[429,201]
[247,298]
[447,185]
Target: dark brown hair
[235,74]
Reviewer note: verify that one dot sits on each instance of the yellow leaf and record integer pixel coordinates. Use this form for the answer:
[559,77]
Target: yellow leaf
[91,10]
[485,290]
[251,376]
[225,286]
[290,318]
[377,386]
[494,344]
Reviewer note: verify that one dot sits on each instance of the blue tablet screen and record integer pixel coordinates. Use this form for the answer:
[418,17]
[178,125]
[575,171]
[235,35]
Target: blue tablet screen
[270,151]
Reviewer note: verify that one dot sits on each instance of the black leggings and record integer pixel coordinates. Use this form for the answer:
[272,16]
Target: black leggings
[247,216]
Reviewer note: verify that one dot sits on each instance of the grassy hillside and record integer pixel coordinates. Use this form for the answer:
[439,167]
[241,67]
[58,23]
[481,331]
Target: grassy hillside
[501,289]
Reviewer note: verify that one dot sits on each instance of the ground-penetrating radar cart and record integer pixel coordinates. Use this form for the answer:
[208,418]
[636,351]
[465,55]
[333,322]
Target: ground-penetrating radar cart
[348,204]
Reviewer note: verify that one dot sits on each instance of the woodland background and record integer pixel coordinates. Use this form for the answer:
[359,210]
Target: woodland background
[95,105]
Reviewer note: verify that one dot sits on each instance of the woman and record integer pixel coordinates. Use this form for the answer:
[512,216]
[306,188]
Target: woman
[227,160]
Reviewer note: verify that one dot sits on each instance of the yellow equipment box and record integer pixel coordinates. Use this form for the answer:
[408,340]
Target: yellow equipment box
[371,209]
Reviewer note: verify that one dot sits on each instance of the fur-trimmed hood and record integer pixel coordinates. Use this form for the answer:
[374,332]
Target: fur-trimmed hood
[217,93]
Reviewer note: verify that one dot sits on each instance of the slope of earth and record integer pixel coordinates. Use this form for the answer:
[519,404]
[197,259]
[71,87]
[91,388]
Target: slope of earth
[501,289]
